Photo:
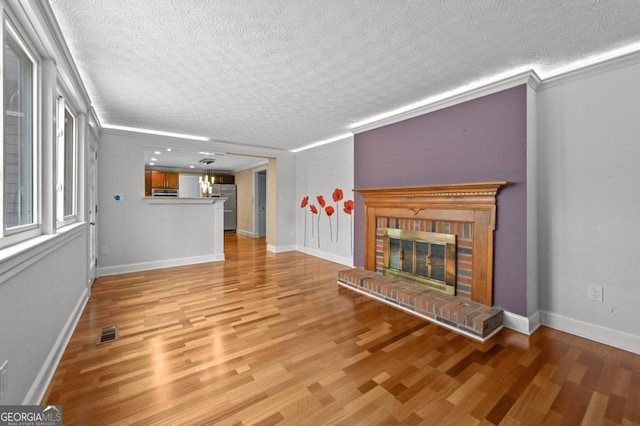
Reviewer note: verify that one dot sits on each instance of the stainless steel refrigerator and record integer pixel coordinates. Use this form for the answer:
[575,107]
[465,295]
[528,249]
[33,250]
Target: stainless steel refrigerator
[230,206]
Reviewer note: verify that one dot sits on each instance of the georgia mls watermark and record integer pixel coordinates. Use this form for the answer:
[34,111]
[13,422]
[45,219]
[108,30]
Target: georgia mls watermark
[30,415]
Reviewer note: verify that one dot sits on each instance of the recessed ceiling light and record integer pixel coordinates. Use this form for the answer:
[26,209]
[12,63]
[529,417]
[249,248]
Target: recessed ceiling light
[157,152]
[152,164]
[154,159]
[192,167]
[168,149]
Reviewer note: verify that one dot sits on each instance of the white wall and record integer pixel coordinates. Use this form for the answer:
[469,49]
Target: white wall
[137,234]
[189,185]
[42,294]
[44,281]
[319,171]
[589,207]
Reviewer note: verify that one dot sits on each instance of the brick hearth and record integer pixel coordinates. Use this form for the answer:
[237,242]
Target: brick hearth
[460,314]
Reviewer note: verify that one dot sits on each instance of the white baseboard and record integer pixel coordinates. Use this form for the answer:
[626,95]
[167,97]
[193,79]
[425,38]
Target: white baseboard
[247,233]
[280,249]
[158,264]
[43,379]
[618,339]
[525,325]
[347,261]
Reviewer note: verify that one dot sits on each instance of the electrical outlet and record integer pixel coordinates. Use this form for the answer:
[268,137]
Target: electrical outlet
[104,250]
[4,379]
[594,292]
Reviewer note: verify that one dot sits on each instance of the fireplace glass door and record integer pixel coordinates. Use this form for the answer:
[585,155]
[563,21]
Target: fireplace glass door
[425,257]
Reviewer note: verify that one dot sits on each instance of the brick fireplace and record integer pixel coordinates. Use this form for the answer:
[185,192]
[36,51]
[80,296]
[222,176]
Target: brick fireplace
[466,212]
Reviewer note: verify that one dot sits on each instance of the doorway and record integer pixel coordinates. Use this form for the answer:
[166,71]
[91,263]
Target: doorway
[92,181]
[260,205]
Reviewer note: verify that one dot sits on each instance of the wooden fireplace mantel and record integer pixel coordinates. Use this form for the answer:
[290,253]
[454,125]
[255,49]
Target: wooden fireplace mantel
[473,203]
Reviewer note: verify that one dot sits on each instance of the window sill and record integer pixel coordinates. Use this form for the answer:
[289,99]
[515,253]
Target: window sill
[18,257]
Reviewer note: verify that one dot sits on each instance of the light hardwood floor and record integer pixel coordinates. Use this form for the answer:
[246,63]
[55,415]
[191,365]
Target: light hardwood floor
[267,338]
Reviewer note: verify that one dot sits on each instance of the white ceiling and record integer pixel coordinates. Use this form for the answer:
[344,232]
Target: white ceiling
[287,73]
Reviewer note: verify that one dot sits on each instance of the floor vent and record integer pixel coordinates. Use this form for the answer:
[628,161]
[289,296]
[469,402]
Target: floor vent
[108,334]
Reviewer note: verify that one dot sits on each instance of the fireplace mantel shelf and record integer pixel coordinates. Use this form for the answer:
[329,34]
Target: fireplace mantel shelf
[457,189]
[471,195]
[473,203]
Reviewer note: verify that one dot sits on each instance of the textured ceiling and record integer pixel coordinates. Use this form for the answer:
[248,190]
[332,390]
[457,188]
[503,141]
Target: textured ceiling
[287,73]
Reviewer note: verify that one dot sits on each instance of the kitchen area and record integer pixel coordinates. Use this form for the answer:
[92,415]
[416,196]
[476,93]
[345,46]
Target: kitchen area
[162,183]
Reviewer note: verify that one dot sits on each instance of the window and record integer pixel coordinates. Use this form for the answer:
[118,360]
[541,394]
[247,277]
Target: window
[66,165]
[19,142]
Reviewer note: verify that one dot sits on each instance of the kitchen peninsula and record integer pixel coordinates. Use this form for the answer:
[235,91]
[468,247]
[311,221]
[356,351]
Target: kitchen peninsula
[164,232]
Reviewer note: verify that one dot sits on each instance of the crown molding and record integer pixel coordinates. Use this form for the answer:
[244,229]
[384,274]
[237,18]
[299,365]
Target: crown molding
[528,77]
[611,64]
[64,54]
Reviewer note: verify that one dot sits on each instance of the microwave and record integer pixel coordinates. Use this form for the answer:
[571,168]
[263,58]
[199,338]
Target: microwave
[164,192]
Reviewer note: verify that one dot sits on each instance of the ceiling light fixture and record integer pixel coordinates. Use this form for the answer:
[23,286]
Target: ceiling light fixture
[323,142]
[155,132]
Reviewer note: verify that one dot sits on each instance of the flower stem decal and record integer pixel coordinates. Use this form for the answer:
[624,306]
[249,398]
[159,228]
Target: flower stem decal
[329,211]
[337,197]
[322,204]
[349,205]
[314,210]
[303,204]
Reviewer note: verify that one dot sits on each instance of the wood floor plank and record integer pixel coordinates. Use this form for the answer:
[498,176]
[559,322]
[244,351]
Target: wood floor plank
[267,339]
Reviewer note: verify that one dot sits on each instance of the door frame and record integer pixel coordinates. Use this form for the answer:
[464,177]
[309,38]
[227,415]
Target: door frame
[92,207]
[256,208]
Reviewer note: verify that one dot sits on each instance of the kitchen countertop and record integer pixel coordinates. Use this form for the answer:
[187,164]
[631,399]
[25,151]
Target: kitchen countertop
[183,200]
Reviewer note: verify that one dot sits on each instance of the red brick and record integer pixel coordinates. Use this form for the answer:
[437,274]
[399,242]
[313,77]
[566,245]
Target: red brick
[478,322]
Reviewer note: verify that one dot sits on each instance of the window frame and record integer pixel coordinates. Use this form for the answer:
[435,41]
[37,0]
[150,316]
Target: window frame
[15,234]
[62,108]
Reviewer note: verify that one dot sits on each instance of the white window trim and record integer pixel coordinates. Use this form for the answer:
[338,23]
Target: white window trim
[22,233]
[62,107]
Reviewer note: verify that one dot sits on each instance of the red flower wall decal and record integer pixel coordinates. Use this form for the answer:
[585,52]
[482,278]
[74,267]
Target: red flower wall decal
[303,204]
[349,205]
[321,201]
[329,210]
[337,196]
[314,210]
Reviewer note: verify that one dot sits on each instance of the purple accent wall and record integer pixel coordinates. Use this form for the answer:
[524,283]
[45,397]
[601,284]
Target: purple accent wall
[480,140]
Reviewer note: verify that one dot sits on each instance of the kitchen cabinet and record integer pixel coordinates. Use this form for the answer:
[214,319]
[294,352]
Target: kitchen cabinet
[168,180]
[225,179]
[147,183]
